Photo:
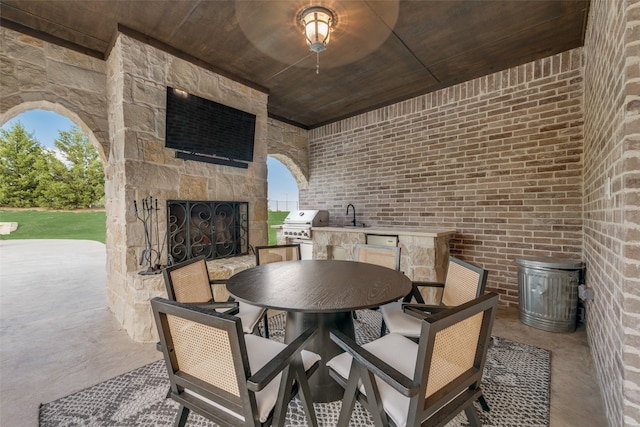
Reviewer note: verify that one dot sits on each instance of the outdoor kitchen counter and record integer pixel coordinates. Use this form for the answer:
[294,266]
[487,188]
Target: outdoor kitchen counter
[389,231]
[424,252]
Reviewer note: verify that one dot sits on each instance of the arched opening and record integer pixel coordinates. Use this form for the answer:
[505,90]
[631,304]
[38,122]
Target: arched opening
[47,116]
[282,186]
[282,194]
[67,165]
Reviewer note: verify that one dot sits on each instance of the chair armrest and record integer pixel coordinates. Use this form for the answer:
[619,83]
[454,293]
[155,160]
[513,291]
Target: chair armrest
[429,284]
[217,281]
[268,372]
[231,305]
[422,310]
[383,370]
[415,292]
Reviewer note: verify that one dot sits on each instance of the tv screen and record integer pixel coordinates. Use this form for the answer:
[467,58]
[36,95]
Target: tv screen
[200,126]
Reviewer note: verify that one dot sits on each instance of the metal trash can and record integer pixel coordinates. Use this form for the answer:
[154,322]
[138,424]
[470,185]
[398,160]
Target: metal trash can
[548,292]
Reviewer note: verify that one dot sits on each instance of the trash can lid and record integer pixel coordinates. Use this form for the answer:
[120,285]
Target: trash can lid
[551,262]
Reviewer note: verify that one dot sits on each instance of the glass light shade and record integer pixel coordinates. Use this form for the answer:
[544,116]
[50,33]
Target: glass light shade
[317,27]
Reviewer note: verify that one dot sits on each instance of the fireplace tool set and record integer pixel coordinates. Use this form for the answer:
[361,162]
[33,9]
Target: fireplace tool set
[152,253]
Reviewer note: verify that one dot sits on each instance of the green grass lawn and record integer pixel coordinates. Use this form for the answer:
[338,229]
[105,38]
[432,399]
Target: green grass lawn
[275,218]
[81,225]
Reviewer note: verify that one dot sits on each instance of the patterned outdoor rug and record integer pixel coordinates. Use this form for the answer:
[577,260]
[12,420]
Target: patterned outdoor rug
[515,383]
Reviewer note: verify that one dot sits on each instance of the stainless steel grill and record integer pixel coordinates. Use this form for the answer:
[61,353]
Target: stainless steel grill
[297,225]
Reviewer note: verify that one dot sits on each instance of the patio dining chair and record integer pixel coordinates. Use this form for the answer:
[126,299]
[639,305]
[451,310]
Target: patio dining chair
[406,383]
[463,283]
[277,253]
[384,256]
[231,378]
[188,282]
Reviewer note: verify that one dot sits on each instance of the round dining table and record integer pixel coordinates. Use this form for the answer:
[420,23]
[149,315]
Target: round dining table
[321,294]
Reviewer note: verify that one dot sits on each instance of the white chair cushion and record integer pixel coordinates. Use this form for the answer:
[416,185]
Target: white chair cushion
[400,322]
[261,351]
[397,351]
[250,315]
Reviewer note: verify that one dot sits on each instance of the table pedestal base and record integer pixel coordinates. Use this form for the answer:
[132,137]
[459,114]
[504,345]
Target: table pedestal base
[323,387]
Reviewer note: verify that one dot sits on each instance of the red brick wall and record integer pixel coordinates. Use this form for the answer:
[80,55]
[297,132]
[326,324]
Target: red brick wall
[612,223]
[498,158]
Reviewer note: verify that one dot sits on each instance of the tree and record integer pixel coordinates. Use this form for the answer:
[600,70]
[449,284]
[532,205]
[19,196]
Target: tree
[22,168]
[76,181]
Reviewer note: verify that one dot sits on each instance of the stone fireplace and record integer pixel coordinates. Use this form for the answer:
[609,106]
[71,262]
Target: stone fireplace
[210,228]
[140,164]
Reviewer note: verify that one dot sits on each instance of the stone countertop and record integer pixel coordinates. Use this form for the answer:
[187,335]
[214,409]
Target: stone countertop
[387,231]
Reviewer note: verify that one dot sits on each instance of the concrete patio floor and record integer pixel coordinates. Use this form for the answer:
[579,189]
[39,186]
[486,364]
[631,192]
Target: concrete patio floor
[57,336]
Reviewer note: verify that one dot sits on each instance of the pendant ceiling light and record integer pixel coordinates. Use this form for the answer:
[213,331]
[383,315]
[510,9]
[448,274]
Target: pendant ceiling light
[317,22]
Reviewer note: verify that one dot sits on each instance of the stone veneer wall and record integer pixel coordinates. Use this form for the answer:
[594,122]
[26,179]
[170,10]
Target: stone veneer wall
[612,225]
[498,158]
[137,76]
[40,75]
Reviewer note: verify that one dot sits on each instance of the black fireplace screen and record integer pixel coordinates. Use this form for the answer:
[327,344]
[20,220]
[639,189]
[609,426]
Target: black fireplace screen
[212,229]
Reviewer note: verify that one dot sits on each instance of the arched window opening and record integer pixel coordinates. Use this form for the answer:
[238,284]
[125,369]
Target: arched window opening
[282,195]
[282,187]
[49,162]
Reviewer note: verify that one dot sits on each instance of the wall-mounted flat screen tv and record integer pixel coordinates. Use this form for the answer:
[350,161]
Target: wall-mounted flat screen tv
[200,127]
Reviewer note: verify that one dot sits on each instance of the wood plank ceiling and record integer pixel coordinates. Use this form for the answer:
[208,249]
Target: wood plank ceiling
[380,52]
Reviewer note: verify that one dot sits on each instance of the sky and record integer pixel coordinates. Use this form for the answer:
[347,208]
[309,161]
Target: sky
[45,126]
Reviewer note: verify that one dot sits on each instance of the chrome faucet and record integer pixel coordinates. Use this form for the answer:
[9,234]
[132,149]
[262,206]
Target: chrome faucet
[353,221]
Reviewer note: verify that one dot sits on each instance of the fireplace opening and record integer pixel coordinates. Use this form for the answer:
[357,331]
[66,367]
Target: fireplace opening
[209,228]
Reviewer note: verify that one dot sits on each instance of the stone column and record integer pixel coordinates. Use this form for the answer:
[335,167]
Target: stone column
[141,166]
